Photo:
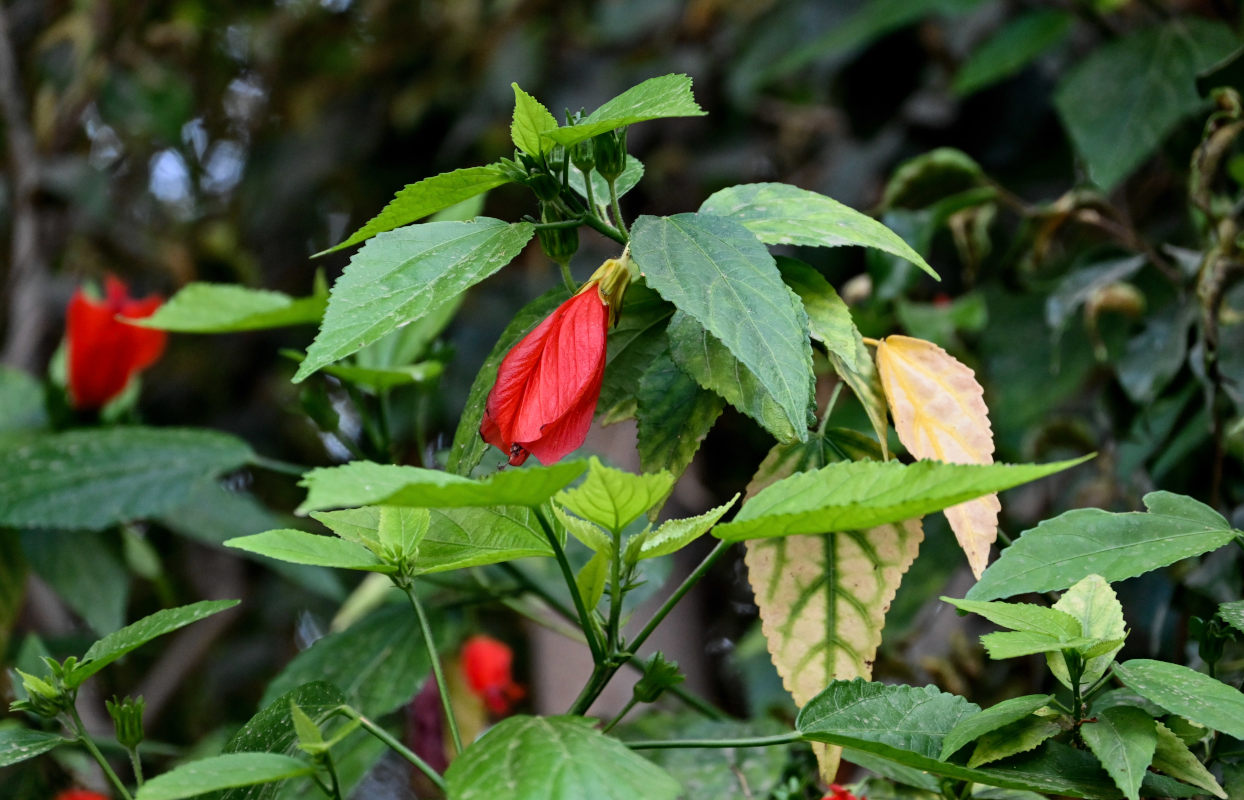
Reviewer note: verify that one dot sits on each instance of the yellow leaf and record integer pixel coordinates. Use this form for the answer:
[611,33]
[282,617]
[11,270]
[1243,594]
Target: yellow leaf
[939,413]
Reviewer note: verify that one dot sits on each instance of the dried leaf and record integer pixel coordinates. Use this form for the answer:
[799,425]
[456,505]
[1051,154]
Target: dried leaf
[939,413]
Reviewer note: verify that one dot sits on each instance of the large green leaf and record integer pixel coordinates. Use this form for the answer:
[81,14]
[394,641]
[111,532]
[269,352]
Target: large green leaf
[365,483]
[673,415]
[717,272]
[862,494]
[222,772]
[225,307]
[116,644]
[655,98]
[98,477]
[418,200]
[1011,48]
[1121,102]
[531,121]
[300,547]
[974,726]
[635,342]
[1186,692]
[779,213]
[1124,740]
[535,758]
[88,573]
[18,743]
[1069,547]
[613,498]
[468,446]
[405,275]
[469,537]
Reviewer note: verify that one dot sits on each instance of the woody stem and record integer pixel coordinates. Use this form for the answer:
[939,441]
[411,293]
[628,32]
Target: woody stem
[435,660]
[585,621]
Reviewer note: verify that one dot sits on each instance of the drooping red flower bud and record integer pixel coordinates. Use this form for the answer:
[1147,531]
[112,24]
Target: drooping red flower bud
[486,663]
[80,794]
[548,384]
[104,353]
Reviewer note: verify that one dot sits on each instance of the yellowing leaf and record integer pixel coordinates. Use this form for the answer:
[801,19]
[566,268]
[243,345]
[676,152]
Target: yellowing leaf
[939,413]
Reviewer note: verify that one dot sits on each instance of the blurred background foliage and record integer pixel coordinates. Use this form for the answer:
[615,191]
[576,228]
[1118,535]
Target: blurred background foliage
[1040,154]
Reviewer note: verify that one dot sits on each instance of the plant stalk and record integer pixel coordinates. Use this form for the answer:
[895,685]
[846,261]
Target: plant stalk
[568,575]
[437,673]
[396,746]
[80,730]
[757,741]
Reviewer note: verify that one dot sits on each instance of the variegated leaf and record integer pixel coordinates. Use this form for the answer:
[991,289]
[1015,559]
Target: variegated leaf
[939,413]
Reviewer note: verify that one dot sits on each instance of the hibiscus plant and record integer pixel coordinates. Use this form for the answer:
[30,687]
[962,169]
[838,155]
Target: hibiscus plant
[689,313]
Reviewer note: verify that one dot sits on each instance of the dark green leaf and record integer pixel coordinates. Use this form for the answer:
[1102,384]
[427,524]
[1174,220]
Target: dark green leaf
[405,275]
[972,727]
[1173,757]
[1019,736]
[21,402]
[655,98]
[1121,102]
[18,744]
[300,547]
[1012,48]
[224,308]
[717,272]
[98,477]
[1082,542]
[222,772]
[1186,692]
[674,415]
[778,213]
[418,200]
[1124,740]
[86,570]
[536,758]
[634,343]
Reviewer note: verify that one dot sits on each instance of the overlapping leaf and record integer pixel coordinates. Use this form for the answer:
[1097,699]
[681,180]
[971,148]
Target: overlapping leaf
[1124,740]
[655,98]
[1186,692]
[222,772]
[225,308]
[674,415]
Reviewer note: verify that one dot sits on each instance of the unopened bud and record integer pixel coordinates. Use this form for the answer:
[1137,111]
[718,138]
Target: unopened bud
[609,149]
[127,718]
[659,675]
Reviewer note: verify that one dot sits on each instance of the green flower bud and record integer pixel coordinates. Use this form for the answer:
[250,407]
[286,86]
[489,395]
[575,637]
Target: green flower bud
[582,156]
[127,718]
[609,150]
[546,187]
[659,675]
[559,244]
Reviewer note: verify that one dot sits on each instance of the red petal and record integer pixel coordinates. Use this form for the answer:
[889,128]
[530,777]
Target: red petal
[104,353]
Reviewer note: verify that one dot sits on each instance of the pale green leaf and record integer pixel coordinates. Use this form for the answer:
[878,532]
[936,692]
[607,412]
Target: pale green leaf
[674,415]
[970,728]
[1017,737]
[226,307]
[1023,617]
[1186,692]
[401,529]
[18,744]
[308,733]
[778,213]
[535,758]
[405,275]
[715,271]
[593,577]
[1124,740]
[378,379]
[1121,102]
[300,547]
[1011,48]
[222,772]
[655,98]
[1094,605]
[418,200]
[531,121]
[1173,757]
[861,494]
[592,535]
[362,483]
[1013,644]
[675,534]
[1082,542]
[93,478]
[613,498]
[358,525]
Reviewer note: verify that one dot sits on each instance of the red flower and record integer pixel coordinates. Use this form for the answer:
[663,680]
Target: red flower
[80,794]
[839,792]
[104,353]
[548,384]
[486,663]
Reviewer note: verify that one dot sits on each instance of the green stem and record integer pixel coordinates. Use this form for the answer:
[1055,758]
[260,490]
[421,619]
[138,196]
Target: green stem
[567,278]
[593,645]
[435,660]
[277,465]
[617,210]
[688,582]
[698,703]
[396,746]
[136,764]
[600,226]
[334,783]
[587,185]
[80,729]
[591,690]
[757,741]
[539,591]
[615,595]
[618,718]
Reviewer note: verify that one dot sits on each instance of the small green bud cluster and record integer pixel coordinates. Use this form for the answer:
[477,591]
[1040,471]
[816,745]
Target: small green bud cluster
[50,695]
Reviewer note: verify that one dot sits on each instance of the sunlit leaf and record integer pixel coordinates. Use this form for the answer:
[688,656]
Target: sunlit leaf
[655,98]
[224,308]
[531,121]
[614,498]
[300,547]
[1095,606]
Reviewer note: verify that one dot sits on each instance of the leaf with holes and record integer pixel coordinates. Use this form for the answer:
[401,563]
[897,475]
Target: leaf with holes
[939,413]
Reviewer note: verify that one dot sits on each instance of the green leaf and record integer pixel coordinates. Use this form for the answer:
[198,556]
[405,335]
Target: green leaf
[300,547]
[997,716]
[862,494]
[1012,48]
[1082,542]
[536,758]
[18,744]
[778,213]
[98,477]
[365,483]
[1016,737]
[222,772]
[1233,614]
[418,200]
[468,446]
[225,308]
[1013,644]
[715,271]
[378,663]
[1174,758]
[378,379]
[1186,692]
[674,415]
[87,572]
[405,275]
[469,537]
[402,529]
[593,576]
[21,402]
[613,498]
[310,738]
[1094,605]
[595,537]
[531,120]
[116,644]
[703,357]
[634,343]
[1121,102]
[1124,740]
[632,174]
[1023,617]
[655,98]
[675,534]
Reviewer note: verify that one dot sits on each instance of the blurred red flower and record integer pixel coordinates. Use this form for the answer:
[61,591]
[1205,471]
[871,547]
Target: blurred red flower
[104,353]
[839,792]
[80,794]
[486,663]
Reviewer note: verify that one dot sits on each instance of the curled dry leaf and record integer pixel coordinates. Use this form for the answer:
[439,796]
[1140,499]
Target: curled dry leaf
[939,413]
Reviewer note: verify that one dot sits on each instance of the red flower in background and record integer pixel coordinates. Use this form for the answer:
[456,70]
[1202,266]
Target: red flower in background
[486,663]
[839,792]
[104,353]
[80,794]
